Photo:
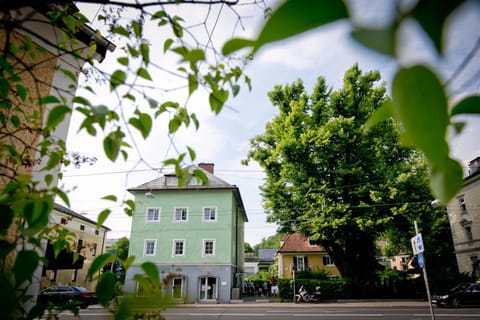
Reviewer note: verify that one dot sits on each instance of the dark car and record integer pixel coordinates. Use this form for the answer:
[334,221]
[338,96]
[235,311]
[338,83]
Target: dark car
[63,295]
[462,295]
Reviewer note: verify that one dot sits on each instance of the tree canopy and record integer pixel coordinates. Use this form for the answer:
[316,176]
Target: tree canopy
[419,95]
[247,248]
[121,247]
[271,242]
[329,179]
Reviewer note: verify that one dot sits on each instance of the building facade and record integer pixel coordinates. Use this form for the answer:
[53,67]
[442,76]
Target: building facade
[266,259]
[89,243]
[464,217]
[194,234]
[42,72]
[297,253]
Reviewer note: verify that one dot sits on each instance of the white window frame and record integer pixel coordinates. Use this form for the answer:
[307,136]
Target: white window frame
[204,247]
[329,259]
[147,216]
[300,266]
[209,208]
[174,247]
[175,214]
[145,243]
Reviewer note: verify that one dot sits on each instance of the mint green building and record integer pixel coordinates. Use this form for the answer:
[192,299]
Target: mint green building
[194,234]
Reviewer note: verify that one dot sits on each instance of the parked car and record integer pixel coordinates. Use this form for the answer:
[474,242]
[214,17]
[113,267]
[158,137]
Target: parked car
[462,295]
[59,295]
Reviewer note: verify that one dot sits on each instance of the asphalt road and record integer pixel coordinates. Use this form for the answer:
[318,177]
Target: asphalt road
[396,310]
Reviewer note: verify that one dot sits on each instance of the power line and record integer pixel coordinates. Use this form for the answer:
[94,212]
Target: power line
[198,213]
[157,170]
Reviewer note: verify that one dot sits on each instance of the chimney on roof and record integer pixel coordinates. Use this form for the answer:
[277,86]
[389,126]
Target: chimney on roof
[207,166]
[474,166]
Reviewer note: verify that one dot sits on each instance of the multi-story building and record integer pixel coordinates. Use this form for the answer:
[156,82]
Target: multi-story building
[464,217]
[297,253]
[89,243]
[49,69]
[193,233]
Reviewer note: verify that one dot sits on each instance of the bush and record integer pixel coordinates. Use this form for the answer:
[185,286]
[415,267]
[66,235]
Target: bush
[331,289]
[322,275]
[390,284]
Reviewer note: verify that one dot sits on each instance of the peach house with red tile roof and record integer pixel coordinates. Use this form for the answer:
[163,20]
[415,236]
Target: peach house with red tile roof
[297,253]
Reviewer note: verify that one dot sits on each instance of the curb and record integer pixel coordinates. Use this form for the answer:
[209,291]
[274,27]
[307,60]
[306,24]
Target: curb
[264,302]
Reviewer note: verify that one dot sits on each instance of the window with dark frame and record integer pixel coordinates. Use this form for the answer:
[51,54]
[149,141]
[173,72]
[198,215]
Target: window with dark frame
[79,245]
[327,261]
[300,263]
[462,203]
[468,233]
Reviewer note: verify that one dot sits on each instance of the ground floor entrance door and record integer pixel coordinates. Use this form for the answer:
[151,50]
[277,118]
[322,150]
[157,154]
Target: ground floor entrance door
[177,288]
[208,288]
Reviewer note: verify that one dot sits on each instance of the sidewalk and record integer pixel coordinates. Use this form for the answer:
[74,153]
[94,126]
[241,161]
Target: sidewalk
[248,302]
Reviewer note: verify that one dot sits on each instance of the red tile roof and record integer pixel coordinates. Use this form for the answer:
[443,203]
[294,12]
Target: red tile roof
[297,242]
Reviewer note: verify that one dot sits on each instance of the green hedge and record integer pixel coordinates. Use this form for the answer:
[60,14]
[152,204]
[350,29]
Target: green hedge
[398,287]
[331,289]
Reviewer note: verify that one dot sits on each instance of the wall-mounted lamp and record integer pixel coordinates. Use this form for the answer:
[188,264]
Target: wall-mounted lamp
[149,195]
[436,203]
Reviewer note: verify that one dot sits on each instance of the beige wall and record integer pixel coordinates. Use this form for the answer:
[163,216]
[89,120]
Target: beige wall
[315,262]
[36,75]
[91,238]
[466,249]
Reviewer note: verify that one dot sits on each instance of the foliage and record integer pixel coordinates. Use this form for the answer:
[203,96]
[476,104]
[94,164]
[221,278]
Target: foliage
[419,96]
[121,247]
[321,275]
[248,248]
[260,276]
[32,112]
[271,242]
[328,180]
[330,289]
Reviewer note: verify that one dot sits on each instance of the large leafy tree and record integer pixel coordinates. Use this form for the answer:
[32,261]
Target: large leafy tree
[329,179]
[420,92]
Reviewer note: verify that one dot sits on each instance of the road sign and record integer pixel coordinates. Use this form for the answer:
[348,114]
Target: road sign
[420,261]
[417,244]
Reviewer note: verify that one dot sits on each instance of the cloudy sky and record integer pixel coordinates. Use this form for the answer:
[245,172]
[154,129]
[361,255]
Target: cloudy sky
[224,139]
